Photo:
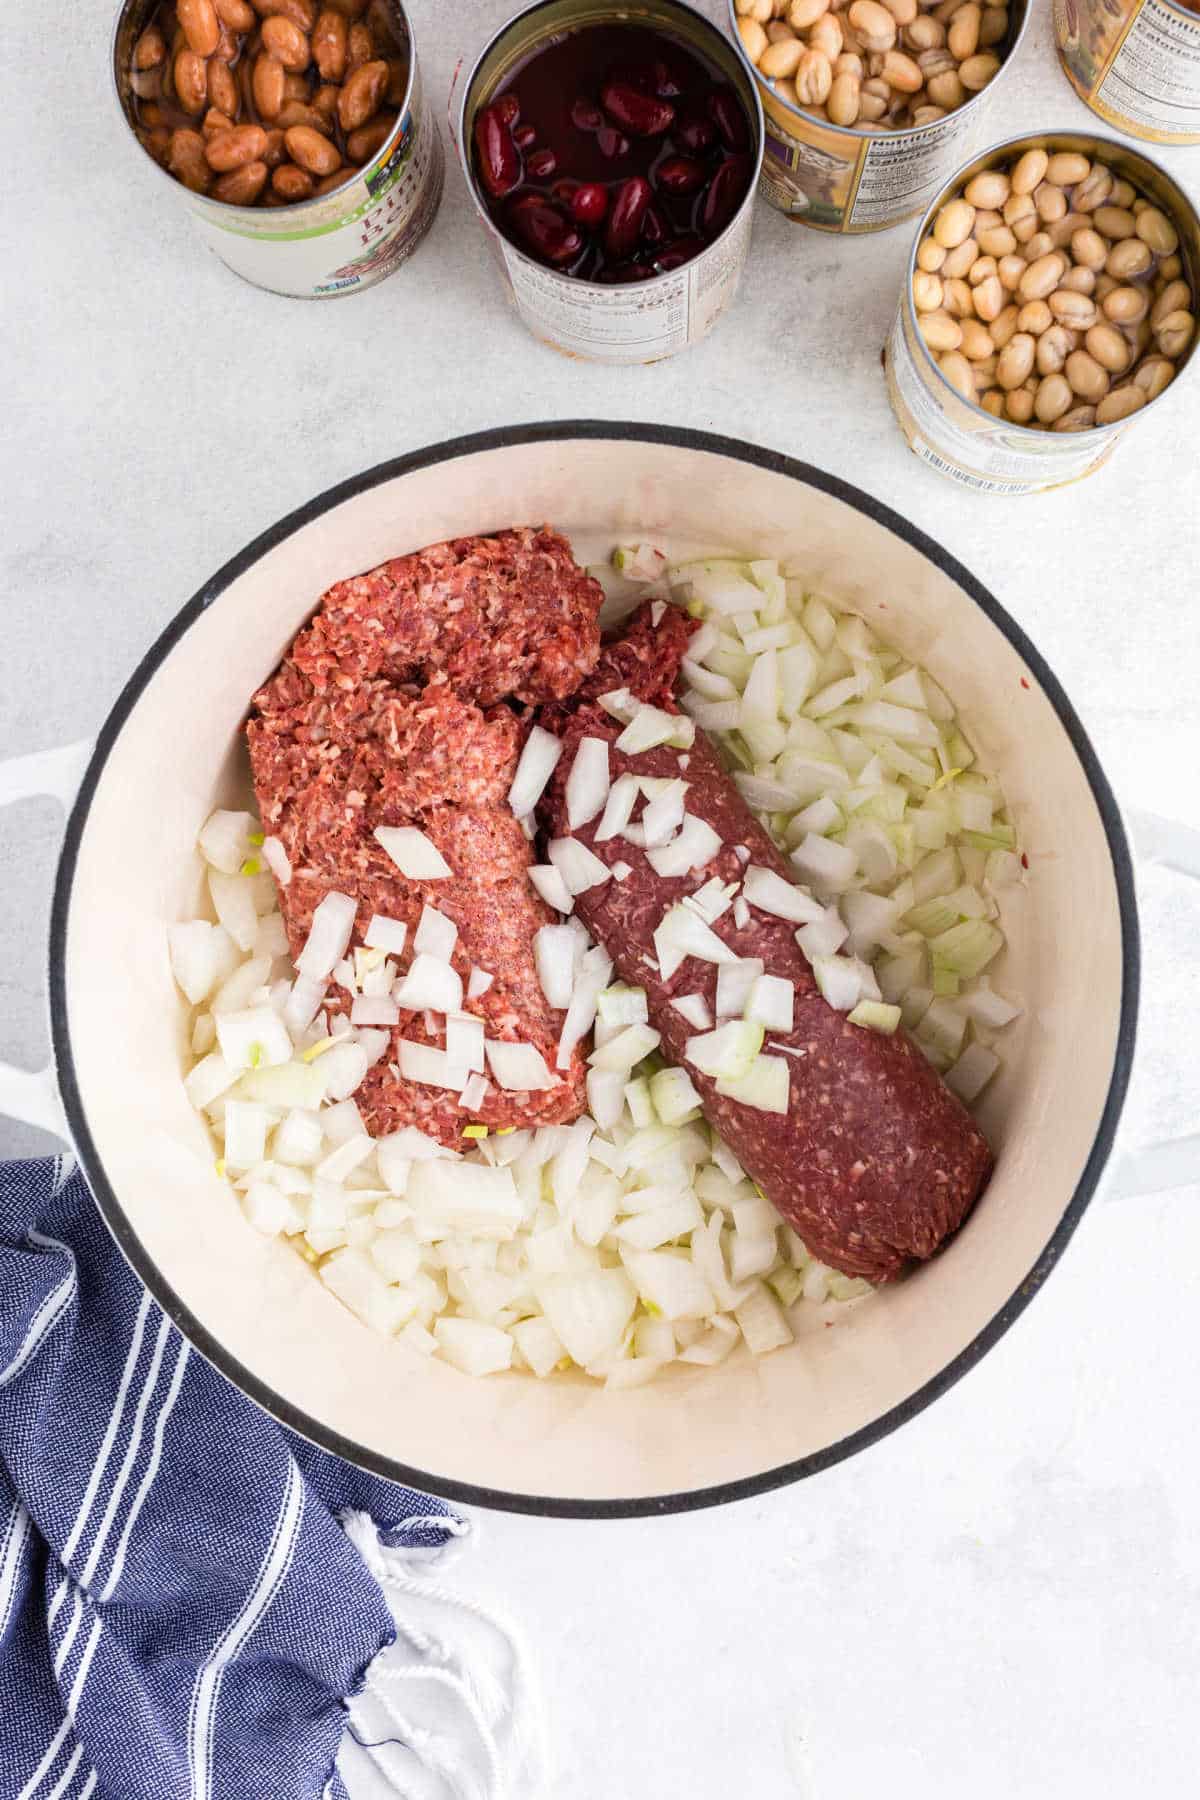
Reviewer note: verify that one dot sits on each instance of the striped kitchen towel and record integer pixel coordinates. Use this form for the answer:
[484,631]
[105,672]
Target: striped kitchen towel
[195,1604]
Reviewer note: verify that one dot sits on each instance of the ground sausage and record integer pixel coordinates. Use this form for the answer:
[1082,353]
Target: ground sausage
[390,709]
[876,1161]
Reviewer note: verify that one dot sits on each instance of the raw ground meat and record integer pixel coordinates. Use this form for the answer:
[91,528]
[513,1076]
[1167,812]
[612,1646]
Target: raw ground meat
[875,1161]
[390,709]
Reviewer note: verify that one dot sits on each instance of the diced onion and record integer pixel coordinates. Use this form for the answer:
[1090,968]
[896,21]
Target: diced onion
[538,761]
[682,933]
[478,983]
[328,937]
[518,1067]
[735,982]
[277,860]
[587,784]
[551,886]
[771,1002]
[436,935]
[578,866]
[695,1009]
[374,1009]
[430,983]
[773,893]
[727,1052]
[554,959]
[415,855]
[650,726]
[764,1086]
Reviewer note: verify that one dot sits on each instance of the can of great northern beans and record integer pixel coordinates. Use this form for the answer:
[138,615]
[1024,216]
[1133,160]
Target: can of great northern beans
[338,242]
[861,178]
[1136,63]
[643,320]
[961,439]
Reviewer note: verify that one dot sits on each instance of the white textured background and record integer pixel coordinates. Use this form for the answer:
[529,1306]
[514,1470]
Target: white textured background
[1003,1600]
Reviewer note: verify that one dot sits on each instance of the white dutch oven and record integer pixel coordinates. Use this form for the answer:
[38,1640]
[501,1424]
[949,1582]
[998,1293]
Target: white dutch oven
[171,751]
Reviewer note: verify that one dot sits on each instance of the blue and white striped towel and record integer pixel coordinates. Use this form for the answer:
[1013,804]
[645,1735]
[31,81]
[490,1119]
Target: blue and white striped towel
[194,1603]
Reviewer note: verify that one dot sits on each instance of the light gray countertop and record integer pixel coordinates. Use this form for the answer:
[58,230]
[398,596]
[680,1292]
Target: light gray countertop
[1003,1599]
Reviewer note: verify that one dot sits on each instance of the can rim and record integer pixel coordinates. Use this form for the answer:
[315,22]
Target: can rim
[579,281]
[296,208]
[853,131]
[1033,140]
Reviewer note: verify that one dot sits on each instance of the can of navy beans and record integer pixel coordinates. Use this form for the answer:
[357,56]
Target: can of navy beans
[869,105]
[1136,63]
[621,234]
[1014,368]
[327,172]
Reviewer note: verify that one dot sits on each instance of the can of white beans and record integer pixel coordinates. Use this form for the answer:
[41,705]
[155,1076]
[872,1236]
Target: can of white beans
[339,241]
[984,448]
[1136,63]
[869,175]
[602,319]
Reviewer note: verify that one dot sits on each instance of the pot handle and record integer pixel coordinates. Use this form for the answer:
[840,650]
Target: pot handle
[31,1096]
[1176,1163]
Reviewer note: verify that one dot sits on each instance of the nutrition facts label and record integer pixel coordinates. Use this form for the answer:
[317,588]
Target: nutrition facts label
[901,174]
[1154,79]
[989,458]
[627,324]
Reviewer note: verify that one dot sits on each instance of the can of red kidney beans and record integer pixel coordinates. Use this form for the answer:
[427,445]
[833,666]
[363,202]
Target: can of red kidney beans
[337,243]
[643,321]
[855,179]
[955,436]
[1136,63]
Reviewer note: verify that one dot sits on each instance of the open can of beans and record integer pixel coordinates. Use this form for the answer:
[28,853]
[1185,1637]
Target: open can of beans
[612,153]
[1136,63]
[869,104]
[296,134]
[1050,300]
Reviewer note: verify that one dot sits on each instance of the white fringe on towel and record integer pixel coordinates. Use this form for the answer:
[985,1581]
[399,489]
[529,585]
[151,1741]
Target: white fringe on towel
[448,1712]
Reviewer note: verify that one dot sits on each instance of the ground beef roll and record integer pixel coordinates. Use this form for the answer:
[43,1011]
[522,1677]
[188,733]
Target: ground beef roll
[875,1161]
[390,709]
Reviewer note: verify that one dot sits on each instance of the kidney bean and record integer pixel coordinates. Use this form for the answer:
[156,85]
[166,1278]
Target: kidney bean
[524,137]
[725,190]
[300,12]
[312,151]
[187,161]
[641,114]
[499,164]
[654,229]
[680,175]
[364,143]
[292,183]
[360,48]
[275,154]
[695,132]
[241,187]
[234,148]
[283,39]
[324,101]
[222,88]
[729,117]
[589,202]
[545,229]
[150,49]
[542,164]
[611,142]
[679,251]
[268,79]
[361,95]
[585,116]
[191,81]
[627,214]
[330,45]
[199,23]
[507,109]
[236,15]
[294,112]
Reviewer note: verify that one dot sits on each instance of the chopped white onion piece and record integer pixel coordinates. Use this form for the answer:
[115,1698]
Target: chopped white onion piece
[253,1038]
[304,1002]
[741,912]
[727,1052]
[671,1284]
[430,983]
[650,726]
[970,1073]
[551,886]
[472,1346]
[623,1006]
[588,783]
[695,1009]
[464,1042]
[415,855]
[771,1002]
[773,893]
[764,1086]
[345,1159]
[554,959]
[735,983]
[436,935]
[618,808]
[627,1049]
[578,866]
[233,898]
[588,1311]
[618,702]
[211,1077]
[478,983]
[591,978]
[987,1008]
[224,840]
[675,1098]
[682,933]
[374,1009]
[277,860]
[426,1064]
[663,815]
[538,761]
[820,860]
[246,1124]
[518,1067]
[201,955]
[839,981]
[606,1096]
[328,937]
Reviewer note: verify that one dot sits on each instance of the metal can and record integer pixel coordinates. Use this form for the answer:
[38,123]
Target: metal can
[339,242]
[644,321]
[856,179]
[1136,63]
[959,438]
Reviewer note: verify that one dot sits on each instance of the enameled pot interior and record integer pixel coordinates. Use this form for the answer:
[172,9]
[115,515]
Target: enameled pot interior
[121,1027]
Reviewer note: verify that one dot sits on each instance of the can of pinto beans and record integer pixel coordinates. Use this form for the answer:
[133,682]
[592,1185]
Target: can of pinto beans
[622,315]
[341,235]
[991,454]
[1136,63]
[868,175]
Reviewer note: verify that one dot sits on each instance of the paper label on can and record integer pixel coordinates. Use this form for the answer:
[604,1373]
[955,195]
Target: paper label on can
[367,231]
[838,181]
[1136,63]
[977,452]
[632,323]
